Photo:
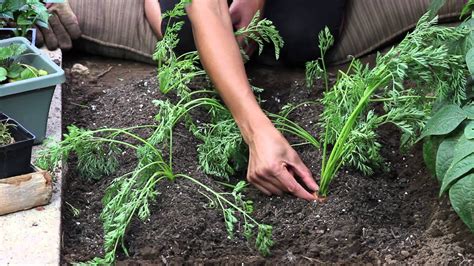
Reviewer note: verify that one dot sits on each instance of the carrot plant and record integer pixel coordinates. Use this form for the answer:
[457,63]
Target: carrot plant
[401,89]
[130,194]
[317,69]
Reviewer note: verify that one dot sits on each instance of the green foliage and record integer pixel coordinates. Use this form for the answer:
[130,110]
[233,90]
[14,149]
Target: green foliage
[11,67]
[317,69]
[261,31]
[5,135]
[95,157]
[25,14]
[222,151]
[468,8]
[448,118]
[461,195]
[454,166]
[407,81]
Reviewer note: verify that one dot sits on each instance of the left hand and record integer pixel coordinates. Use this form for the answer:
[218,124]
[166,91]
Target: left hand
[63,27]
[241,14]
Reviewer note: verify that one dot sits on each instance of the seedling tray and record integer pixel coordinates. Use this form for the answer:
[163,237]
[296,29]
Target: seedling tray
[15,158]
[28,101]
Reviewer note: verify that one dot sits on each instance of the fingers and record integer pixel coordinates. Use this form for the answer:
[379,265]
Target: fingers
[268,186]
[68,20]
[304,173]
[289,182]
[62,36]
[49,38]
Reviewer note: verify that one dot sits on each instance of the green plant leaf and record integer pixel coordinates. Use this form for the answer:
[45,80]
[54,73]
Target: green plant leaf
[469,130]
[456,171]
[445,121]
[464,148]
[14,71]
[462,199]
[469,110]
[430,146]
[467,8]
[3,74]
[444,156]
[470,61]
[27,73]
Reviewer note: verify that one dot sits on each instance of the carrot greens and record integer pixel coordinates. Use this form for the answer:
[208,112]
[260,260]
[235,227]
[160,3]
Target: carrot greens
[401,90]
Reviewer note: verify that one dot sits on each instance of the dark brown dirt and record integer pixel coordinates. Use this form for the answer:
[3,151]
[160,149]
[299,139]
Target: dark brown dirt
[390,217]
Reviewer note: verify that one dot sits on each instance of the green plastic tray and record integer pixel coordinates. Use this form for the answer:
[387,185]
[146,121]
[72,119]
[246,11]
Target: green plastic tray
[28,101]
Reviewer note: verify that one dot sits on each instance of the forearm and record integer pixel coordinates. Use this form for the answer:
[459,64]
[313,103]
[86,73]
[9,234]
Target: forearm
[222,60]
[153,15]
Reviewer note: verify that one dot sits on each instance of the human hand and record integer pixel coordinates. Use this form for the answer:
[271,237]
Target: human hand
[274,166]
[63,28]
[241,14]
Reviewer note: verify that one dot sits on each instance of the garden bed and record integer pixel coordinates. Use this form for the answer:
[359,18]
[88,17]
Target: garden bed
[388,217]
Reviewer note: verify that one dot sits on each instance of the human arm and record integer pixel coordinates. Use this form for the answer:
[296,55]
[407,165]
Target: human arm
[153,15]
[273,164]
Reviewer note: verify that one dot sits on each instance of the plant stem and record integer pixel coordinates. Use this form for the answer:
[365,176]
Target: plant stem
[334,162]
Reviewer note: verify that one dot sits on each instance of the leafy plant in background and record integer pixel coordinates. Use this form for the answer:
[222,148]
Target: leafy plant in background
[317,69]
[261,31]
[448,147]
[400,90]
[5,136]
[449,154]
[24,14]
[11,67]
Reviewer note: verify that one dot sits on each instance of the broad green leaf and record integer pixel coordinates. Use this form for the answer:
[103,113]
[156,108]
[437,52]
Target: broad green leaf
[456,171]
[461,195]
[445,121]
[430,146]
[27,73]
[14,71]
[469,109]
[470,61]
[464,148]
[469,130]
[444,156]
[3,74]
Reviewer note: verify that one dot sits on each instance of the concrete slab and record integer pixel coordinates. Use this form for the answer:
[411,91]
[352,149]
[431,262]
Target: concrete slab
[33,237]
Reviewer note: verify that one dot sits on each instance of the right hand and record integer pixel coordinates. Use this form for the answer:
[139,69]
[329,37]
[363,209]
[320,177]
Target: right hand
[274,166]
[63,28]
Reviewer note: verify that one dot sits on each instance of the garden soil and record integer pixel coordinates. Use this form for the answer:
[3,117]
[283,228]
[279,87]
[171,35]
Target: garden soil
[394,216]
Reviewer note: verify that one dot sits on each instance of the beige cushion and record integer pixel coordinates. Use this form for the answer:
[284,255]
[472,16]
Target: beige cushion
[371,24]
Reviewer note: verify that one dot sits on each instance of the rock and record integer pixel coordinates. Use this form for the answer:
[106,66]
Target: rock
[405,253]
[80,70]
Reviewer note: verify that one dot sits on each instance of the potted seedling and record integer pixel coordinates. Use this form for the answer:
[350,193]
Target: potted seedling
[20,17]
[15,148]
[27,82]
